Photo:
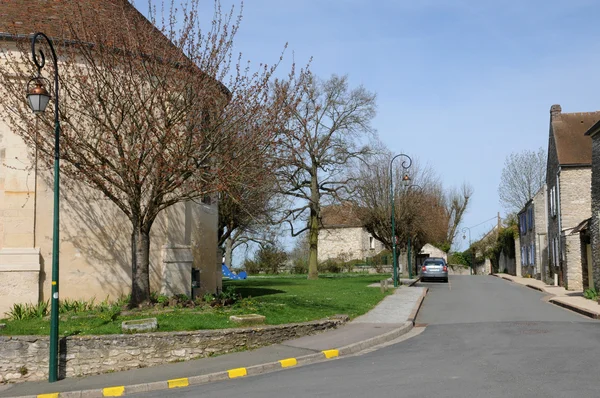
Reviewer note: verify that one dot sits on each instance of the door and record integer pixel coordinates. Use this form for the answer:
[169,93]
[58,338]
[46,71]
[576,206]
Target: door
[590,266]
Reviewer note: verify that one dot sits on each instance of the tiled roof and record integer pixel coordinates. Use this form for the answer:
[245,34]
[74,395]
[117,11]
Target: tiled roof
[55,18]
[573,147]
[340,216]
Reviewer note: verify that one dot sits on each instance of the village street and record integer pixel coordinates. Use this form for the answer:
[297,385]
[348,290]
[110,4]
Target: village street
[482,336]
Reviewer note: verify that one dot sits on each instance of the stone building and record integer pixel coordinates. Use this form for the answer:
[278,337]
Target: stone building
[568,181]
[343,237]
[95,236]
[532,236]
[593,254]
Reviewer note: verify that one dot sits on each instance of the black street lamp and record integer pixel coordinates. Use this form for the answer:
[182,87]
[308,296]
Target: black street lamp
[405,181]
[409,257]
[38,98]
[470,250]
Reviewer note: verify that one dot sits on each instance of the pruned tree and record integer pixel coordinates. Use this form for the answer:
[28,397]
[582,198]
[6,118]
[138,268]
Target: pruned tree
[419,209]
[523,175]
[328,131]
[154,113]
[457,202]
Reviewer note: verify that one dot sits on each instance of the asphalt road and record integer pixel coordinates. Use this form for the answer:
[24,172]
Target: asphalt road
[484,337]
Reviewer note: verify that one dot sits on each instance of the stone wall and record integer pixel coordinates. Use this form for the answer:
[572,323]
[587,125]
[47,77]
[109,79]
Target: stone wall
[347,243]
[573,275]
[25,358]
[595,223]
[575,207]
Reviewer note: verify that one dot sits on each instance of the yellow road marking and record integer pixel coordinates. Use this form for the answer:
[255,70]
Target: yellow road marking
[239,372]
[285,363]
[53,395]
[331,353]
[175,383]
[113,391]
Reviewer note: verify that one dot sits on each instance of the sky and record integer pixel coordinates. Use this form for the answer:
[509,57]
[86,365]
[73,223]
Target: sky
[460,84]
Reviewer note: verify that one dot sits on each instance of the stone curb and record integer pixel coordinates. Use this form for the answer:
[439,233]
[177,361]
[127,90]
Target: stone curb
[556,301]
[248,371]
[574,308]
[415,311]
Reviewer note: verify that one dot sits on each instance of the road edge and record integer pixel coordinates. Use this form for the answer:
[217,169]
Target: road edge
[116,391]
[556,300]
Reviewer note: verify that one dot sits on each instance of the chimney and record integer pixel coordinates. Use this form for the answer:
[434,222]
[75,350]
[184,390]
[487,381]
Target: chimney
[555,111]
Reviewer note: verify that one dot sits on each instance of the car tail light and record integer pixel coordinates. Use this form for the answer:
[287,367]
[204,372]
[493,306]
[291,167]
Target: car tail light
[423,268]
[445,268]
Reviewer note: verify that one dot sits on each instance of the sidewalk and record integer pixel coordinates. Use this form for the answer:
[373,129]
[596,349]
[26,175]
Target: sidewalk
[390,319]
[572,300]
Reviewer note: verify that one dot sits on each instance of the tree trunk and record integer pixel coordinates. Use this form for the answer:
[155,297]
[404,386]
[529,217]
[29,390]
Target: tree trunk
[228,251]
[140,273]
[313,237]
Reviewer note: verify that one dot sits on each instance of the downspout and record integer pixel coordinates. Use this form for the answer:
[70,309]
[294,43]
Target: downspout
[559,216]
[544,276]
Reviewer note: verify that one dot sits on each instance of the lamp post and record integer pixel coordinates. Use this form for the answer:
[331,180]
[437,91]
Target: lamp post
[38,98]
[470,251]
[406,181]
[409,257]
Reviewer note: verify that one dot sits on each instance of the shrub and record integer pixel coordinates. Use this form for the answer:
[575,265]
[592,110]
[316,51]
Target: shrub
[251,267]
[330,266]
[591,294]
[300,266]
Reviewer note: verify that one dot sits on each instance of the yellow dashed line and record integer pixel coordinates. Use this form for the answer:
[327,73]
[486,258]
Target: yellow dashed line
[53,395]
[175,383]
[331,353]
[113,391]
[285,363]
[239,372]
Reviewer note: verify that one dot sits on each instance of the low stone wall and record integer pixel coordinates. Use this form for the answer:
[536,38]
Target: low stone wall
[25,358]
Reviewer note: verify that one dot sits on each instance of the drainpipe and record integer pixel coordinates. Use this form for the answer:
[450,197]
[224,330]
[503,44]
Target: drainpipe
[559,216]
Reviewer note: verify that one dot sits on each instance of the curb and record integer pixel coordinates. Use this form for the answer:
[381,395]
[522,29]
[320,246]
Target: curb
[415,311]
[117,391]
[539,289]
[574,308]
[415,282]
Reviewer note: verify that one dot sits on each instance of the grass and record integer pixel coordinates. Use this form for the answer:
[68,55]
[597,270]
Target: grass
[282,299]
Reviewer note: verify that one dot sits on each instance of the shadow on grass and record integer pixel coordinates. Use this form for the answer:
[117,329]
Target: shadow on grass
[256,291]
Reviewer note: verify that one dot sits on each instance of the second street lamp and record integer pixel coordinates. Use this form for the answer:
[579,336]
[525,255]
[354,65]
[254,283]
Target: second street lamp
[38,98]
[470,250]
[406,181]
[408,256]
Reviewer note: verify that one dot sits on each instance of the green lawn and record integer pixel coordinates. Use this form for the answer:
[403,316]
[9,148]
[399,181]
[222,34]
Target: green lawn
[282,299]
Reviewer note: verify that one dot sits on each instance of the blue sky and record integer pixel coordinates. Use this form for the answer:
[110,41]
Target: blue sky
[460,84]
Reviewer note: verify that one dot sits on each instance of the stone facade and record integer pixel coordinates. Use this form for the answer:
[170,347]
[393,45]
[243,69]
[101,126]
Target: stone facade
[594,227]
[347,243]
[25,358]
[430,250]
[568,180]
[532,236]
[95,236]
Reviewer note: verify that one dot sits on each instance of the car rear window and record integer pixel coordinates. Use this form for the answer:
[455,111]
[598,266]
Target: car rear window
[434,262]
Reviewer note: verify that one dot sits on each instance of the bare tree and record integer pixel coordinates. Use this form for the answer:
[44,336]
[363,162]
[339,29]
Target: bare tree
[146,117]
[457,202]
[323,137]
[523,175]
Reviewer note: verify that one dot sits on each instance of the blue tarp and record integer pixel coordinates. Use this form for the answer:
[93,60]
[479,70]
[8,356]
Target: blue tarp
[228,274]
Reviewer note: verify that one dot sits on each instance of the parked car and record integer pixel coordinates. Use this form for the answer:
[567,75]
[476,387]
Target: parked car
[434,268]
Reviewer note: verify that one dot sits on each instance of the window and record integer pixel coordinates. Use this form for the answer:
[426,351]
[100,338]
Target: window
[532,254]
[371,243]
[530,223]
[553,202]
